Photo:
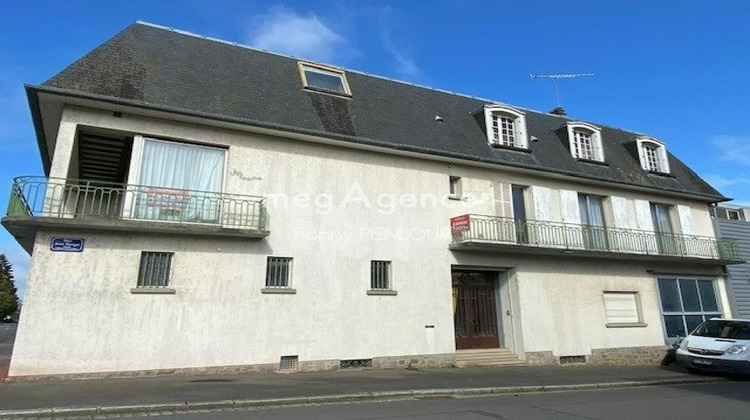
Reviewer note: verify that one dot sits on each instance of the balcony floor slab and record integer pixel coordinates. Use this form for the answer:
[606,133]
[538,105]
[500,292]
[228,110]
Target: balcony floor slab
[515,248]
[24,228]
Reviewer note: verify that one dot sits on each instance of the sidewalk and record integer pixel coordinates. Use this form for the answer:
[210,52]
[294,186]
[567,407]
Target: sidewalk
[183,393]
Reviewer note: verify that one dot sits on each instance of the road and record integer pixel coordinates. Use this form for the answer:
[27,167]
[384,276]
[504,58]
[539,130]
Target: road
[724,400]
[7,334]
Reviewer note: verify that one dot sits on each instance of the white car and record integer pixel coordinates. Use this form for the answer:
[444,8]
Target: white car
[719,345]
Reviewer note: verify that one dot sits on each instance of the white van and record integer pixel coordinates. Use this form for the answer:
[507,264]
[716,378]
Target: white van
[719,345]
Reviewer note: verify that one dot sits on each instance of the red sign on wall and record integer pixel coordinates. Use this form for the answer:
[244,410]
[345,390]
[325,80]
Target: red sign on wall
[460,224]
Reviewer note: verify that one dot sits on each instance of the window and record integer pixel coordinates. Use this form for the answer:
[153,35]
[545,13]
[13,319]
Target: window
[180,182]
[622,309]
[380,275]
[727,213]
[278,272]
[666,241]
[582,143]
[155,269]
[324,78]
[585,142]
[653,155]
[519,213]
[455,187]
[686,303]
[592,218]
[506,127]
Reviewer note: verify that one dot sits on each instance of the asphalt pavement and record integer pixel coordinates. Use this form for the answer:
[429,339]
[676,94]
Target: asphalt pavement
[185,393]
[725,401]
[7,335]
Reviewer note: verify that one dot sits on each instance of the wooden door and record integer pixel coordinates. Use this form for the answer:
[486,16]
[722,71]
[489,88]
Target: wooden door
[475,313]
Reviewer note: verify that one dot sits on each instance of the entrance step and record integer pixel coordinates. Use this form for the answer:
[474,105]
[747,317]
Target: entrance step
[487,357]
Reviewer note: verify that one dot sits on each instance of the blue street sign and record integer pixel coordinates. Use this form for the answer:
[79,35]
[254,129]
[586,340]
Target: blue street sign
[66,244]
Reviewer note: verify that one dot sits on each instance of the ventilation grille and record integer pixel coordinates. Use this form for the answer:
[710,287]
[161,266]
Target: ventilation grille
[289,363]
[355,363]
[569,360]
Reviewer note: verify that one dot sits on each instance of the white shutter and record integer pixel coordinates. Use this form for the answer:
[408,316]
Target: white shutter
[664,159]
[598,148]
[685,214]
[621,308]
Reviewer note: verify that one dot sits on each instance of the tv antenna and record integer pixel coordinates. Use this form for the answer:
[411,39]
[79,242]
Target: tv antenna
[556,78]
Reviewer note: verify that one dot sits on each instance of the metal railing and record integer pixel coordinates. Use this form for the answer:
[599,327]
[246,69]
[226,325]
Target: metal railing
[542,234]
[78,199]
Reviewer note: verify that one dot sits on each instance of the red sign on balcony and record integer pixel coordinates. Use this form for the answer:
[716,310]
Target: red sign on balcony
[167,198]
[460,224]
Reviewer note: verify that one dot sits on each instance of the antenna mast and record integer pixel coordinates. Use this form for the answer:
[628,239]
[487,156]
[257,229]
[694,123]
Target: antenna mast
[556,78]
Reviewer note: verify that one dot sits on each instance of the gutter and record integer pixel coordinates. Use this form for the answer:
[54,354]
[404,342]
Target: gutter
[36,117]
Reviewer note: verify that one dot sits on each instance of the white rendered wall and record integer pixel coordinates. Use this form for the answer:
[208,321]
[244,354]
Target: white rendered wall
[79,315]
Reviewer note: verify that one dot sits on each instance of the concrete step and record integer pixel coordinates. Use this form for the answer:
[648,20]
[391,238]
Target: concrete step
[486,357]
[495,363]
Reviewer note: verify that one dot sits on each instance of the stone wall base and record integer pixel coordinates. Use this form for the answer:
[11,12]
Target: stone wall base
[628,356]
[619,356]
[391,362]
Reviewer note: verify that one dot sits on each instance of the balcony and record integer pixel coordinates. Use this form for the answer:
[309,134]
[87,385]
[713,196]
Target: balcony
[38,202]
[500,234]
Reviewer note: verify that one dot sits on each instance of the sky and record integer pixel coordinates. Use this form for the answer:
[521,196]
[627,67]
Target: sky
[678,71]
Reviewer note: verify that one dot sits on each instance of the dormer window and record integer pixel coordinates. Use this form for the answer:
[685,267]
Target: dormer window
[506,127]
[322,78]
[653,155]
[585,141]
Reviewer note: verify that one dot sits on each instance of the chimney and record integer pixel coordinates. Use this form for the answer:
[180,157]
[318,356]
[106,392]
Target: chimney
[559,111]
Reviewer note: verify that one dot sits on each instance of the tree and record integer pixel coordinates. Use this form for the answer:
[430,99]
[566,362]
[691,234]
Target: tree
[8,296]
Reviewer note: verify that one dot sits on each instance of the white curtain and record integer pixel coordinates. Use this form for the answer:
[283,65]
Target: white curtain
[592,217]
[180,182]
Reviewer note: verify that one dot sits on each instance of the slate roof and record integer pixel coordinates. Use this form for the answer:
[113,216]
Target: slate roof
[157,67]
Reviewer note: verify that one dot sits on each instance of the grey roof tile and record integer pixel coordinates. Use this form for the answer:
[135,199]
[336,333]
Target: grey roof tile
[160,67]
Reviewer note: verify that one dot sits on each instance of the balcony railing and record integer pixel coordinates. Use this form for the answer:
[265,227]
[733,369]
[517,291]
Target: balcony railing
[40,197]
[566,236]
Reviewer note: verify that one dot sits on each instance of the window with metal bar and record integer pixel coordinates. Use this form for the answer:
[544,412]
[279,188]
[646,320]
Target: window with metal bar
[278,272]
[155,269]
[380,275]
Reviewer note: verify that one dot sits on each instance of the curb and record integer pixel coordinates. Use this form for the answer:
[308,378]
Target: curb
[382,396]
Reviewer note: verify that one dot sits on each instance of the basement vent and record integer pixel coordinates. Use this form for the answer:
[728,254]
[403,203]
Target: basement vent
[355,363]
[570,360]
[289,363]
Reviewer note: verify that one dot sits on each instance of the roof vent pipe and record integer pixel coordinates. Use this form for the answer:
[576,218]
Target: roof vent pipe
[559,111]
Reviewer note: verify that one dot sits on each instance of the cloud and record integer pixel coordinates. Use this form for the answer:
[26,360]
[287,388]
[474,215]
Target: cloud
[735,149]
[304,36]
[406,67]
[721,181]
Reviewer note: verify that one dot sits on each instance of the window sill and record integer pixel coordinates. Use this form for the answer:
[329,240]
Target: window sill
[628,325]
[595,162]
[664,174]
[511,148]
[454,197]
[152,291]
[382,292]
[278,291]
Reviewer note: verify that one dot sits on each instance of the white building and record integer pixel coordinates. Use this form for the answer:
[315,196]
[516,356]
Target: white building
[209,207]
